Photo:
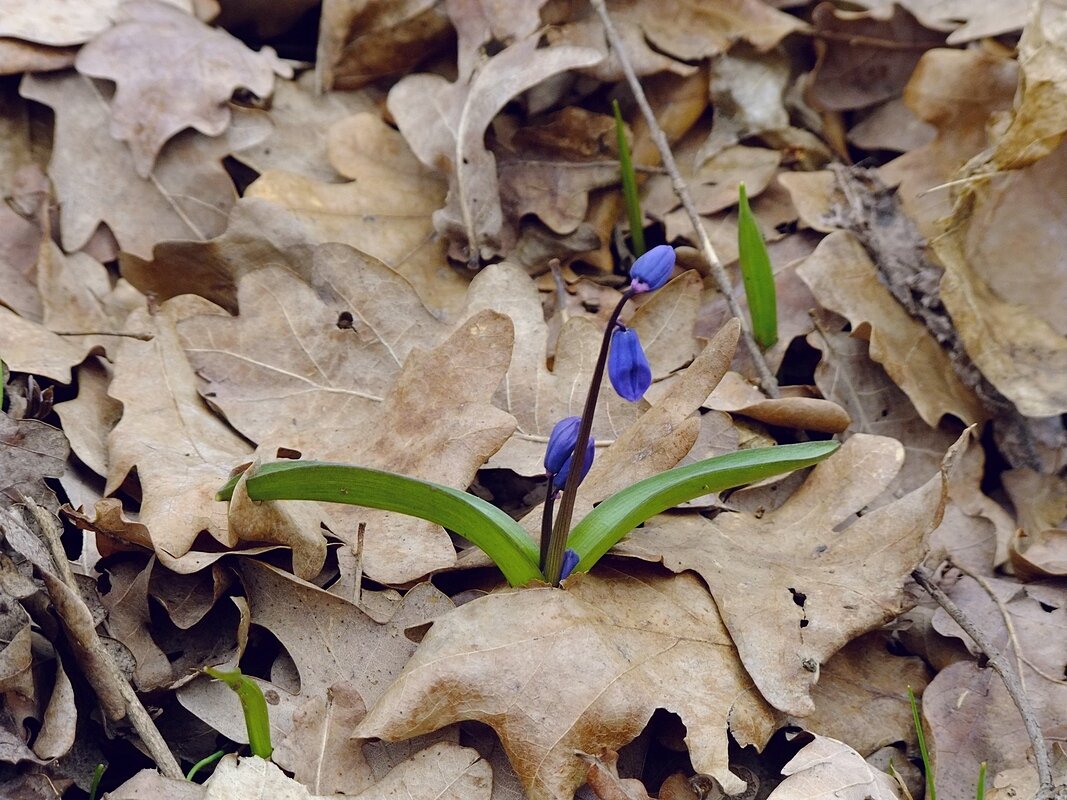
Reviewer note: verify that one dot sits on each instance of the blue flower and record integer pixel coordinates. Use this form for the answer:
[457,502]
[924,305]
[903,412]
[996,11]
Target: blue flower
[652,270]
[570,561]
[560,451]
[627,366]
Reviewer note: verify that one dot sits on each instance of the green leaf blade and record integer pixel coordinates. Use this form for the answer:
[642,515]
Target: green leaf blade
[757,274]
[489,528]
[629,184]
[610,521]
[254,706]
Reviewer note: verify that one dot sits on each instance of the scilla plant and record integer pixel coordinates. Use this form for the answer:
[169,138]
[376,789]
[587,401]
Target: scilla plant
[562,549]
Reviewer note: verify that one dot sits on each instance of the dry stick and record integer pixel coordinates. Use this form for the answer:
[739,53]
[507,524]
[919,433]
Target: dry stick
[659,138]
[1011,681]
[111,676]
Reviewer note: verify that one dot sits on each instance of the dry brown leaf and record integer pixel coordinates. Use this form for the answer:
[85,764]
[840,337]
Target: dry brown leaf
[829,768]
[1039,547]
[361,41]
[182,452]
[862,695]
[187,196]
[603,779]
[30,451]
[893,125]
[967,20]
[32,348]
[301,120]
[552,671]
[445,125]
[844,279]
[735,395]
[172,72]
[150,785]
[791,589]
[866,61]
[128,621]
[971,717]
[384,211]
[57,22]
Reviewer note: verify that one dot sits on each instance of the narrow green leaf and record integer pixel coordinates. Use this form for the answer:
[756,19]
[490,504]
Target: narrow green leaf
[931,790]
[622,512]
[497,534]
[981,781]
[756,274]
[253,705]
[98,773]
[204,762]
[629,184]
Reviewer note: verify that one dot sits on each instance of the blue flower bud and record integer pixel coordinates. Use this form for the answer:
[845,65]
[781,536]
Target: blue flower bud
[627,366]
[570,561]
[559,480]
[561,444]
[652,270]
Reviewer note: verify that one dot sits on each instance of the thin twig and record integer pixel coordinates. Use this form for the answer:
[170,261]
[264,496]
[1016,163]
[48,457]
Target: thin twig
[109,678]
[659,138]
[1003,668]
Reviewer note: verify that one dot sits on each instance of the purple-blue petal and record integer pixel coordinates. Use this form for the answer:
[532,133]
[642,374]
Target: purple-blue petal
[559,480]
[628,368]
[653,269]
[570,561]
[561,443]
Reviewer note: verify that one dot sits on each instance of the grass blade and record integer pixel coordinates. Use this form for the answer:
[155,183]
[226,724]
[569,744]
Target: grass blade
[756,274]
[931,791]
[257,722]
[497,534]
[980,794]
[622,512]
[204,762]
[629,184]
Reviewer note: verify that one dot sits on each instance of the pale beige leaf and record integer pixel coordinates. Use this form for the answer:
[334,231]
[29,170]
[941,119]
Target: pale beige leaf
[60,22]
[187,195]
[735,395]
[827,768]
[605,653]
[29,347]
[790,588]
[172,72]
[844,279]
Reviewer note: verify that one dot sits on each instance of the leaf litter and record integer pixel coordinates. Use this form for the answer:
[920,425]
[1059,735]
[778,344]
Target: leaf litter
[212,255]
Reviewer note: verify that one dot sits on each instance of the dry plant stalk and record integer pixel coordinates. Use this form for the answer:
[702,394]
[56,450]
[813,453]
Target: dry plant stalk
[718,272]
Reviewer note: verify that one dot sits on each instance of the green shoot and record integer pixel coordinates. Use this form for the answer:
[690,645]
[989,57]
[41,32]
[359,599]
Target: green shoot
[756,274]
[204,762]
[499,536]
[931,791]
[257,723]
[629,184]
[98,773]
[980,795]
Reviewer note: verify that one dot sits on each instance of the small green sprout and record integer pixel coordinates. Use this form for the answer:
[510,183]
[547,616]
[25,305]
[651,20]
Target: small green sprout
[257,723]
[756,274]
[629,185]
[931,790]
[204,762]
[98,773]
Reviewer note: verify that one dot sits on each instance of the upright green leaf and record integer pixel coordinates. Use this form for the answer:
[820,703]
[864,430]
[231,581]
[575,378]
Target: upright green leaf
[928,767]
[497,534]
[629,184]
[756,274]
[622,512]
[257,722]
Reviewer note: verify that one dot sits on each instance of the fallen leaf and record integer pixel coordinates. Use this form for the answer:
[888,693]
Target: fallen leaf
[1039,547]
[736,396]
[56,22]
[31,348]
[552,671]
[30,451]
[844,279]
[603,778]
[893,125]
[156,51]
[187,195]
[829,768]
[815,589]
[128,621]
[445,125]
[150,785]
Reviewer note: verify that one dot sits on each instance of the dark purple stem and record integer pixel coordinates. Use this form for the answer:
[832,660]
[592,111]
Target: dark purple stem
[553,556]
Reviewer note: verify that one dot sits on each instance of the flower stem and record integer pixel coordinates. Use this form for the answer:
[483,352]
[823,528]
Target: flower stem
[546,521]
[553,556]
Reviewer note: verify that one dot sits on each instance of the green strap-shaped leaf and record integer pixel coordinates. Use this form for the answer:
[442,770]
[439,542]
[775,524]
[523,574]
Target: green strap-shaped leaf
[622,512]
[497,534]
[257,722]
[629,184]
[756,274]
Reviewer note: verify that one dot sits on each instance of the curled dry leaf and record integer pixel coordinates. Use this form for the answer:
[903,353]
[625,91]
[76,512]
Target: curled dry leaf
[829,768]
[793,590]
[554,671]
[735,395]
[844,279]
[445,125]
[172,72]
[1039,547]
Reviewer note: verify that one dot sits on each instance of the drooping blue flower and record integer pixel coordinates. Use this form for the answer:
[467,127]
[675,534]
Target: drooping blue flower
[652,269]
[627,366]
[560,450]
[570,561]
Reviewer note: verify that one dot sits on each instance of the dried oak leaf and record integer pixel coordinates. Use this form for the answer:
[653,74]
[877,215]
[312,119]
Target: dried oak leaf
[181,450]
[554,671]
[30,451]
[735,395]
[844,279]
[32,348]
[1039,547]
[829,768]
[445,124]
[188,194]
[59,22]
[792,590]
[384,210]
[172,72]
